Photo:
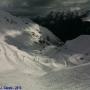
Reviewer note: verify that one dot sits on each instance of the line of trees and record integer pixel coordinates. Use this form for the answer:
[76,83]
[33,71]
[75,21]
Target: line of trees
[66,25]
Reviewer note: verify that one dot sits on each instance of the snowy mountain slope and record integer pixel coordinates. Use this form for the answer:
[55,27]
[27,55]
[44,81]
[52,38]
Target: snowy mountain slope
[74,52]
[27,36]
[23,69]
[67,79]
[24,33]
[31,56]
[80,44]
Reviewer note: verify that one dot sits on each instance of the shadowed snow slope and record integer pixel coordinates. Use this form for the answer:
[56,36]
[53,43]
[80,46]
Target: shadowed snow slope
[31,57]
[24,34]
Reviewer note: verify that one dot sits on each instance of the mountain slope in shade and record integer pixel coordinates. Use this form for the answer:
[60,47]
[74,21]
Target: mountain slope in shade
[31,57]
[25,34]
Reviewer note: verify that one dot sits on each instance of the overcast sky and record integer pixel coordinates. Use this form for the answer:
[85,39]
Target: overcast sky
[17,3]
[41,5]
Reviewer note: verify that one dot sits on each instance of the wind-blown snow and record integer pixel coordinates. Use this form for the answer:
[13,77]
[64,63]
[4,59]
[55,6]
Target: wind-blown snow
[32,57]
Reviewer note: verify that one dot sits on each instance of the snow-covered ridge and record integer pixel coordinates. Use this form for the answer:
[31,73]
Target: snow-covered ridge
[23,33]
[52,68]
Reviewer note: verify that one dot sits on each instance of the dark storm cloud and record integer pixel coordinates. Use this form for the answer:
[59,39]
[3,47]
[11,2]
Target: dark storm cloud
[25,3]
[35,3]
[41,6]
[5,3]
